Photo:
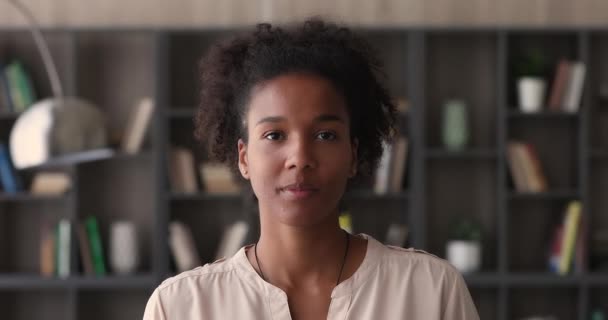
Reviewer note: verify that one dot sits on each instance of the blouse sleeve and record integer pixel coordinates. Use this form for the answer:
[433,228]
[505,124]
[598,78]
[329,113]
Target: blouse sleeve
[154,308]
[458,302]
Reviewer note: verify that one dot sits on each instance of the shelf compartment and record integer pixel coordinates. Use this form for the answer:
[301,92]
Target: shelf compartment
[486,302]
[452,57]
[597,77]
[48,304]
[558,302]
[598,301]
[104,304]
[530,232]
[467,190]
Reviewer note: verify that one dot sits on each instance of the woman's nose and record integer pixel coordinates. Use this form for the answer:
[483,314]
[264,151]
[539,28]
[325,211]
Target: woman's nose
[301,154]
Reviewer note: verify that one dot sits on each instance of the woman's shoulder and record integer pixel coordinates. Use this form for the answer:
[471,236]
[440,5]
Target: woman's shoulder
[199,274]
[401,260]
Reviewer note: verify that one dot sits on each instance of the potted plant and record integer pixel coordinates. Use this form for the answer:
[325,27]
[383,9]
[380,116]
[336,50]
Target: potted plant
[531,85]
[464,246]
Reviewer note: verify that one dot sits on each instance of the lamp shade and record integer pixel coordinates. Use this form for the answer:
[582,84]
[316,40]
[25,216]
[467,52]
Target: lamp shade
[54,127]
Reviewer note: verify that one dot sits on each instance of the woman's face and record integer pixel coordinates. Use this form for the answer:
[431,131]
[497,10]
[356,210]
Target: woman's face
[299,154]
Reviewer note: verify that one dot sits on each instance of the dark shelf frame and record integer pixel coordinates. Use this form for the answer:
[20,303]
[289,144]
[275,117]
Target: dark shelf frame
[415,198]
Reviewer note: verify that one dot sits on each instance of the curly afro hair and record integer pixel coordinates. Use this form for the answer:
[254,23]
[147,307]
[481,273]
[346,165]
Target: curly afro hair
[232,68]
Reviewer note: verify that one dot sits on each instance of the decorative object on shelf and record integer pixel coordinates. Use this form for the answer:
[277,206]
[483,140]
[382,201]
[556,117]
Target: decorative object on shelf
[124,248]
[455,128]
[531,85]
[463,250]
[57,125]
[346,221]
[396,234]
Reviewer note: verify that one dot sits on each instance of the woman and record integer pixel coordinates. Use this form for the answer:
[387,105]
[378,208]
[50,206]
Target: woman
[299,113]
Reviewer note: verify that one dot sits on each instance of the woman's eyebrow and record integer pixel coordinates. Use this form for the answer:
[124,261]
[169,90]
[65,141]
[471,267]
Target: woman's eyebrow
[320,118]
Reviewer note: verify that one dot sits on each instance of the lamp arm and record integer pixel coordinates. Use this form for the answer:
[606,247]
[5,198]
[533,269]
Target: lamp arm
[42,46]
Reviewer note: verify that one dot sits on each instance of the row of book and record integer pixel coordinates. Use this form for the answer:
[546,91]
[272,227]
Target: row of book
[214,177]
[525,167]
[55,248]
[568,244]
[16,89]
[567,86]
[185,253]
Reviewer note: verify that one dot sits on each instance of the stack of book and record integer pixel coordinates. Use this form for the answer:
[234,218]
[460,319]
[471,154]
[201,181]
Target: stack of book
[567,87]
[567,247]
[526,168]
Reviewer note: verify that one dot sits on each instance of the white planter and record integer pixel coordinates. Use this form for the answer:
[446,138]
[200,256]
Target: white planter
[531,94]
[464,255]
[124,252]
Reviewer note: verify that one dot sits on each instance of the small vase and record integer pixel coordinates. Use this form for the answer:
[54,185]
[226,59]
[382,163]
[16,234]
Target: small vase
[124,253]
[464,255]
[531,94]
[455,125]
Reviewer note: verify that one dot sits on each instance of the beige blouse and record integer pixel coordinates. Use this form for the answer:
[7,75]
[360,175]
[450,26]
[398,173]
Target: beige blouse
[391,283]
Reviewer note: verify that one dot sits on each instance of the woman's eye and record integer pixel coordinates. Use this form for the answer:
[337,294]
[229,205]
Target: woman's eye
[273,135]
[326,135]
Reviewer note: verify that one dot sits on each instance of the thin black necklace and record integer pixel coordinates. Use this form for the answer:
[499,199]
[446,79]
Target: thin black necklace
[257,261]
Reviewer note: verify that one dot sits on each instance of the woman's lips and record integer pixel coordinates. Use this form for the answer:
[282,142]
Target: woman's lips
[299,192]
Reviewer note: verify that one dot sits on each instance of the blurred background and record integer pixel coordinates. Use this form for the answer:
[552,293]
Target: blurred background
[500,165]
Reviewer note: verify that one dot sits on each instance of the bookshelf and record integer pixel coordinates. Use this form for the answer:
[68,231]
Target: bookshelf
[113,68]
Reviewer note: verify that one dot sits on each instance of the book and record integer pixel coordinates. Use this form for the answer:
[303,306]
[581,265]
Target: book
[571,221]
[217,178]
[95,245]
[20,86]
[10,180]
[183,249]
[398,163]
[181,170]
[47,250]
[574,90]
[6,103]
[50,183]
[232,239]
[560,81]
[515,167]
[64,232]
[137,126]
[85,249]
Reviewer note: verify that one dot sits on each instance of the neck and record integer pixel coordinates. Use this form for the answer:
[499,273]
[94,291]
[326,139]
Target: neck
[295,256]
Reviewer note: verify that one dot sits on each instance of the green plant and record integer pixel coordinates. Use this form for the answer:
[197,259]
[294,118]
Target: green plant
[465,229]
[533,63]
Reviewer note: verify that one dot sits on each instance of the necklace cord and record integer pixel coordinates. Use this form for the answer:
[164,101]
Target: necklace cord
[257,261]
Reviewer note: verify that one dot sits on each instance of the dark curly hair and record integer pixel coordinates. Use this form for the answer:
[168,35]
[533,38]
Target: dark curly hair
[232,68]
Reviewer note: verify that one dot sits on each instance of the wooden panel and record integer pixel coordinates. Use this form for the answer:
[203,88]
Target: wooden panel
[209,13]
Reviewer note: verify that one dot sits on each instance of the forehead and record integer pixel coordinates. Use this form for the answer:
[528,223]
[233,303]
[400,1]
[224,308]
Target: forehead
[295,97]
